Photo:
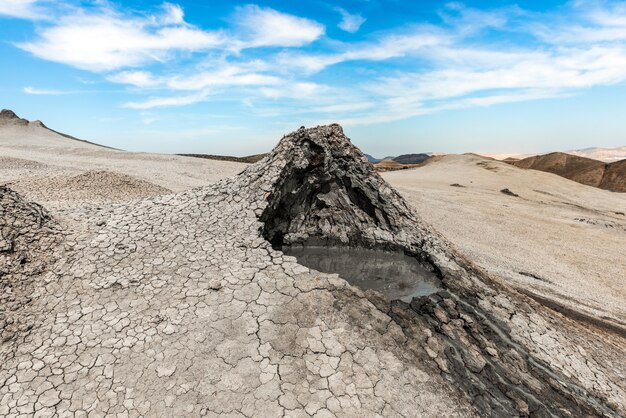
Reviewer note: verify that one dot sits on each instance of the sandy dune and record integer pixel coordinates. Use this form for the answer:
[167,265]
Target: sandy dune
[558,239]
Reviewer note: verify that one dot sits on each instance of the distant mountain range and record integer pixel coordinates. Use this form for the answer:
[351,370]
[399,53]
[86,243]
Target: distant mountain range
[608,155]
[250,159]
[402,159]
[608,176]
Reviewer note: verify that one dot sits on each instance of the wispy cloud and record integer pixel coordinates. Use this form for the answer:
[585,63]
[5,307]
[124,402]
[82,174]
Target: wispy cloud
[227,75]
[32,90]
[168,101]
[393,45]
[349,22]
[56,92]
[23,9]
[589,22]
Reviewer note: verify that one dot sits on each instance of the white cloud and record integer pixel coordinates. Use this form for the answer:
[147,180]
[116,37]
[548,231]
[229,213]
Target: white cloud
[586,21]
[349,22]
[229,75]
[173,15]
[53,92]
[141,79]
[32,90]
[469,21]
[568,69]
[106,40]
[168,101]
[23,9]
[268,27]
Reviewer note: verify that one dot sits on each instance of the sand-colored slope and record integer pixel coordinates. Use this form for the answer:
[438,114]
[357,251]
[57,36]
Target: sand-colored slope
[559,239]
[44,152]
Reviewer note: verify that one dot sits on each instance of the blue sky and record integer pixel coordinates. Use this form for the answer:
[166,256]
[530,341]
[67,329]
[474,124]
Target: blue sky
[229,77]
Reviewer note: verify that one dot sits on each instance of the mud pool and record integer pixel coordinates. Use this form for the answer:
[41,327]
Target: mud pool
[394,274]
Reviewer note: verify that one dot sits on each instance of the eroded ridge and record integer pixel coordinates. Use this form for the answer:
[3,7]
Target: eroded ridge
[178,306]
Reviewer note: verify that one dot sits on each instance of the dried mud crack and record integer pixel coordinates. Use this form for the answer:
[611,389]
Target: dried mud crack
[184,305]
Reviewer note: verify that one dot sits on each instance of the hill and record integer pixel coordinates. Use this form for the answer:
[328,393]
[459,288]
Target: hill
[583,170]
[402,159]
[388,165]
[411,158]
[31,152]
[8,118]
[371,159]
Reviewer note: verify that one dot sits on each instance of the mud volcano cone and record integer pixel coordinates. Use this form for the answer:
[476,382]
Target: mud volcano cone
[324,192]
[327,191]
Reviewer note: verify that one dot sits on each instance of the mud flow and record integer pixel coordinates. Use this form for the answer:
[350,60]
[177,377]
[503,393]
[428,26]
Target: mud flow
[394,274]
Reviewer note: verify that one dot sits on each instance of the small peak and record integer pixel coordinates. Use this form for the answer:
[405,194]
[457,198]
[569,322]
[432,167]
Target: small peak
[8,114]
[38,124]
[8,117]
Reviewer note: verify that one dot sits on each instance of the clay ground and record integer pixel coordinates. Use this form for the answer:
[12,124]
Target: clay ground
[558,239]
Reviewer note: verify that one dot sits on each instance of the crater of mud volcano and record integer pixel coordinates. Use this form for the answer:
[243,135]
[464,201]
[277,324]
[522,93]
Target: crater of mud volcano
[394,274]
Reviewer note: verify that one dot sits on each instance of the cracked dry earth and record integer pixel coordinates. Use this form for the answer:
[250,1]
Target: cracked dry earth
[184,305]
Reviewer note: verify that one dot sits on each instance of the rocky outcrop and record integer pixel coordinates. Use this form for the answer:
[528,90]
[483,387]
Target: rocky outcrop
[28,240]
[327,193]
[8,117]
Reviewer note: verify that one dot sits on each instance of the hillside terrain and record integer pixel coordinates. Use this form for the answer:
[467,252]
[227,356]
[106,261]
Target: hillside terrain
[50,167]
[607,176]
[557,239]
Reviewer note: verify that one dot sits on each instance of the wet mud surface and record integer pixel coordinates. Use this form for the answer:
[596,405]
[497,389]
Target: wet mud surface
[393,274]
